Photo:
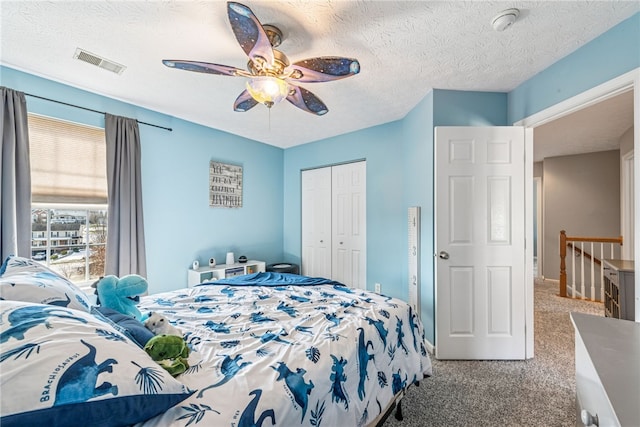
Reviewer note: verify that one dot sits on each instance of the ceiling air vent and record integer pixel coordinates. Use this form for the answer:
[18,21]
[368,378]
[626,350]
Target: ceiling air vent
[96,60]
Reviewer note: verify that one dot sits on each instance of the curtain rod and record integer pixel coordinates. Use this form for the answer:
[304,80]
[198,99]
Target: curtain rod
[94,111]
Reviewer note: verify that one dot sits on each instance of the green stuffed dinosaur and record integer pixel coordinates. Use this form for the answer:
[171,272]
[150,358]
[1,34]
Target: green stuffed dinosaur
[170,351]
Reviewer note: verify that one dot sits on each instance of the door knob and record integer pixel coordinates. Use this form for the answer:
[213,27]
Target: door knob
[588,419]
[443,255]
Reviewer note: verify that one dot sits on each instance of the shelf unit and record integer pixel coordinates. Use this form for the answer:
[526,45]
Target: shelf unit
[222,271]
[619,289]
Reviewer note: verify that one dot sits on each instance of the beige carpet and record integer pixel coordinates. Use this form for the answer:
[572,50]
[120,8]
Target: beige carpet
[536,392]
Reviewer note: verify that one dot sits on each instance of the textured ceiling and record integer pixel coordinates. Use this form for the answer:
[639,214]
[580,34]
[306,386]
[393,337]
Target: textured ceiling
[405,48]
[597,128]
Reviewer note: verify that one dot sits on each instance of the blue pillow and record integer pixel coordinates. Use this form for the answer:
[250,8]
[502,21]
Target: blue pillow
[62,367]
[128,325]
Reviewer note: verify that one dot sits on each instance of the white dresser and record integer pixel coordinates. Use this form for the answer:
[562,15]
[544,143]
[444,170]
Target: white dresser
[607,371]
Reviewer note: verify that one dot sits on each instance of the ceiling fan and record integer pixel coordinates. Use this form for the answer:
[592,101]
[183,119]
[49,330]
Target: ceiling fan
[271,77]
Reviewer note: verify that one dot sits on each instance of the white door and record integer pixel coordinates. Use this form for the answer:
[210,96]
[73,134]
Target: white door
[348,262]
[316,222]
[480,243]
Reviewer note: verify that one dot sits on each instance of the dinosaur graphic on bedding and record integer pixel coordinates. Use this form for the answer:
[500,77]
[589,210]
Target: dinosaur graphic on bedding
[296,384]
[79,382]
[363,361]
[302,355]
[338,378]
[248,417]
[61,303]
[229,368]
[25,318]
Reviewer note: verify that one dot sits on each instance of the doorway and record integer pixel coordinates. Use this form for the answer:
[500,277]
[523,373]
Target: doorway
[626,83]
[537,226]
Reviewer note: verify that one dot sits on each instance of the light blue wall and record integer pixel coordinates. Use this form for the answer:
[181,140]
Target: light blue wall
[612,54]
[382,148]
[179,224]
[418,191]
[459,108]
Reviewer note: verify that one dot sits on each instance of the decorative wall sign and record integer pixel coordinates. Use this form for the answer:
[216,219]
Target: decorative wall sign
[225,185]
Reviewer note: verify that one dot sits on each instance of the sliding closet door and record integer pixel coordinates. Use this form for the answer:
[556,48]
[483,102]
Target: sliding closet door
[334,223]
[316,222]
[349,224]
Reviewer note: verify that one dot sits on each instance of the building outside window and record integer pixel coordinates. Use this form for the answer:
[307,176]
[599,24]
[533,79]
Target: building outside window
[74,248]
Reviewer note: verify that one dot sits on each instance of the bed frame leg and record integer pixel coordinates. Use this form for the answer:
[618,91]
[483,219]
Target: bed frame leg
[399,411]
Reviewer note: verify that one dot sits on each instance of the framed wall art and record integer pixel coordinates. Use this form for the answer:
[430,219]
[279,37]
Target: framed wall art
[225,185]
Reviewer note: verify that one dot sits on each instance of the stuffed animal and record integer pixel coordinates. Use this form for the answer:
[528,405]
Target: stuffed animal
[170,351]
[159,325]
[120,293]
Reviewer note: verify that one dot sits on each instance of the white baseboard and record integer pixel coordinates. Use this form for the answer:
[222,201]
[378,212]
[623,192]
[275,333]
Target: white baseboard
[557,281]
[430,347]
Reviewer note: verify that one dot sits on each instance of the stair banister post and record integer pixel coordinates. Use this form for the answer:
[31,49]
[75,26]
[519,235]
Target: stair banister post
[563,266]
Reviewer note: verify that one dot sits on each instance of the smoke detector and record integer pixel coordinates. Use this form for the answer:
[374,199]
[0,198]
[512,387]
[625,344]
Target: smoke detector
[505,19]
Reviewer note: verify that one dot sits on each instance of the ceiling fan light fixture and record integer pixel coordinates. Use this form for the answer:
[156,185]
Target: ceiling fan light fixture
[267,90]
[274,34]
[272,77]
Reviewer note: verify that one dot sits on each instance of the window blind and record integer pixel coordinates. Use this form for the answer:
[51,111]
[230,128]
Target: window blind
[68,162]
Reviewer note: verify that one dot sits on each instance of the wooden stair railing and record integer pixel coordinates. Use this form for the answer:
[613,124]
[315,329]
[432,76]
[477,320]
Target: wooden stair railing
[568,241]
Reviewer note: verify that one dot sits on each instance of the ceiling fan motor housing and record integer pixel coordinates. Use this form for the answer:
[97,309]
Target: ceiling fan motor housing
[261,67]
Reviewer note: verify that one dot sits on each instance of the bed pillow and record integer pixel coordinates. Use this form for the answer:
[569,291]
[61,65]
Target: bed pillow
[23,279]
[62,367]
[128,325]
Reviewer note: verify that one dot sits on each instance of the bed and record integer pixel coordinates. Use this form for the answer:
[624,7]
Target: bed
[266,349]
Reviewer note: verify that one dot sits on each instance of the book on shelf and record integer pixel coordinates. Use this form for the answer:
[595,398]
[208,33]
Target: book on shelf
[235,271]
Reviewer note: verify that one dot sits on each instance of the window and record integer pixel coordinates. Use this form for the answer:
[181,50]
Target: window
[70,240]
[69,197]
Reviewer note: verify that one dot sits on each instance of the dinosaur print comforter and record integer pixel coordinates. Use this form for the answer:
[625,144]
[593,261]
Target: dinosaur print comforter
[287,350]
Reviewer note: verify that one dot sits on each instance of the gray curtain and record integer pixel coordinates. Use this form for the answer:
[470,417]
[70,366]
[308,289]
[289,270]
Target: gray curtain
[15,173]
[125,232]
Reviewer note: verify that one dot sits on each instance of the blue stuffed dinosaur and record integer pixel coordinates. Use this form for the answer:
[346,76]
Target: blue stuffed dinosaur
[121,294]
